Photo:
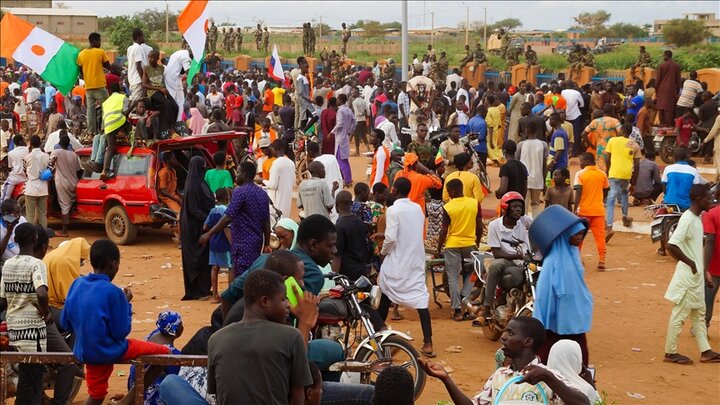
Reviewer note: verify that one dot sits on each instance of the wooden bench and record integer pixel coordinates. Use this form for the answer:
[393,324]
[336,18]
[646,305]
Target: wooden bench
[68,358]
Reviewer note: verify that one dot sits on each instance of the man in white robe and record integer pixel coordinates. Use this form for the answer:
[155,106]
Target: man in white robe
[282,179]
[402,275]
[178,63]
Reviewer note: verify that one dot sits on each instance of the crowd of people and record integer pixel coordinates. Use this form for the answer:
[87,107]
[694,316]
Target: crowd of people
[430,140]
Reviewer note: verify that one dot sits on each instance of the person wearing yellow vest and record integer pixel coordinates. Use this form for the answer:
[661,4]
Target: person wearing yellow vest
[115,111]
[461,231]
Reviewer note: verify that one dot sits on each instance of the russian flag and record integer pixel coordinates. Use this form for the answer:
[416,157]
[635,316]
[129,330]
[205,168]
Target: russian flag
[275,69]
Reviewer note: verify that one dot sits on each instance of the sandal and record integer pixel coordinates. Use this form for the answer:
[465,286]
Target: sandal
[429,355]
[714,359]
[678,359]
[397,317]
[601,266]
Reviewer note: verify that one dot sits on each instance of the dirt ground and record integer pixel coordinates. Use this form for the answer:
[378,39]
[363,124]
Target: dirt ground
[626,341]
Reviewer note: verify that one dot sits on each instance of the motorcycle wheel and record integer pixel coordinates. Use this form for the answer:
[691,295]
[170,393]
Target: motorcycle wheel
[666,149]
[394,347]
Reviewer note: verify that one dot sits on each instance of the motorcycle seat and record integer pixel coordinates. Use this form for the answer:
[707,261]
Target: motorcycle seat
[333,307]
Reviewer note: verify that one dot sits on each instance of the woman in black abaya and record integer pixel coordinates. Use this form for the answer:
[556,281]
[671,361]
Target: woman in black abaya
[197,203]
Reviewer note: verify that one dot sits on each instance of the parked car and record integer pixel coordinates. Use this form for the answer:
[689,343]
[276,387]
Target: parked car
[129,199]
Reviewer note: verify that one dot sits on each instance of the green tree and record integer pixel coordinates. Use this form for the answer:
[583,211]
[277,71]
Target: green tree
[626,30]
[325,29]
[392,25]
[684,32]
[155,20]
[120,33]
[590,20]
[373,29]
[104,23]
[507,24]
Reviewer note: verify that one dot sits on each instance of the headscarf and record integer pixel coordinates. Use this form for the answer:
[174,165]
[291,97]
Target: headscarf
[63,267]
[197,192]
[563,302]
[566,358]
[290,225]
[168,323]
[410,159]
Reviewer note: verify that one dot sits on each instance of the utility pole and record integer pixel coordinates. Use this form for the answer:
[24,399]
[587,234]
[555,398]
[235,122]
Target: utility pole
[404,41]
[320,30]
[485,29]
[167,23]
[432,27]
[467,24]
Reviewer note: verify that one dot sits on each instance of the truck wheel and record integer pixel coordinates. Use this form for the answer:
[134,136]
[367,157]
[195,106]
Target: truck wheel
[118,227]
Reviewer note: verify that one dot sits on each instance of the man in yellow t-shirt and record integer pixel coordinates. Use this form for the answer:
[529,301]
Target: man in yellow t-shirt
[92,60]
[623,158]
[493,119]
[471,182]
[461,231]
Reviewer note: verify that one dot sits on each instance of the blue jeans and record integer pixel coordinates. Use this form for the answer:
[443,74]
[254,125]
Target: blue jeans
[325,353]
[174,390]
[618,190]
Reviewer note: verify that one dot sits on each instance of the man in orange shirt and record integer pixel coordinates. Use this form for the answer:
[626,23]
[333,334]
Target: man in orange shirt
[268,100]
[591,187]
[421,179]
[555,100]
[265,145]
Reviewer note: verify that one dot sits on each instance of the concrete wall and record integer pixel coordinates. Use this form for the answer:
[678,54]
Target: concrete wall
[64,25]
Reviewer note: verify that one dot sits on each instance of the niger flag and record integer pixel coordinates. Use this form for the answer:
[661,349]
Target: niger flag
[51,57]
[193,24]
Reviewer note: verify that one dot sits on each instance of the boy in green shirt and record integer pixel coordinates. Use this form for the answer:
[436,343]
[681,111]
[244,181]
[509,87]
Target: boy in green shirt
[219,177]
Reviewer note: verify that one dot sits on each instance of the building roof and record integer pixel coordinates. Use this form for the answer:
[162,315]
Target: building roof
[52,11]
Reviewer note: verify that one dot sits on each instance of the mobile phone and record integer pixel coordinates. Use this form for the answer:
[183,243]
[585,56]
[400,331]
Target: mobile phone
[592,372]
[9,218]
[292,289]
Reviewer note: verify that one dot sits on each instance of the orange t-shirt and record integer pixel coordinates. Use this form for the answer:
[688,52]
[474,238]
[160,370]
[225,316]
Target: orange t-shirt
[79,91]
[419,184]
[268,101]
[267,164]
[557,101]
[593,181]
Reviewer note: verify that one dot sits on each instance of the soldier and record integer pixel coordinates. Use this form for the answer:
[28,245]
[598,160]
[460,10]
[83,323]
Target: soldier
[575,61]
[266,40]
[335,62]
[238,40]
[530,57]
[388,72]
[311,39]
[443,66]
[306,39]
[258,37]
[467,59]
[345,38]
[587,59]
[478,56]
[643,61]
[224,40]
[504,42]
[212,37]
[231,40]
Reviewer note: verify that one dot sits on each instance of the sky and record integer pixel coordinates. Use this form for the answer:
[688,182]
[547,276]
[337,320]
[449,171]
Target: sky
[545,15]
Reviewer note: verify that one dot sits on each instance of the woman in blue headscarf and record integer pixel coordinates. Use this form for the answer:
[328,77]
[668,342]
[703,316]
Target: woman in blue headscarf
[563,302]
[169,327]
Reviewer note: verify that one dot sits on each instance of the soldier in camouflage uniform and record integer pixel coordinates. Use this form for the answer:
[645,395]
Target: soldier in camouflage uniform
[231,40]
[530,60]
[345,38]
[311,39]
[467,59]
[504,42]
[305,39]
[224,40]
[335,63]
[575,61]
[586,58]
[238,40]
[443,66]
[258,37]
[479,56]
[266,40]
[388,72]
[643,61]
[512,57]
[212,37]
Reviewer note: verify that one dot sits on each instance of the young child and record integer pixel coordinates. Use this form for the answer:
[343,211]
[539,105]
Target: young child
[24,290]
[560,193]
[146,122]
[220,242]
[169,327]
[99,314]
[219,177]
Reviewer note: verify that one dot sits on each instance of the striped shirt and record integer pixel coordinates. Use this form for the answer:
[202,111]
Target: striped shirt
[689,91]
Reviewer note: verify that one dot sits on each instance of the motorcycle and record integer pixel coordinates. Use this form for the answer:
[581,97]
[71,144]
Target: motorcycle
[664,143]
[514,295]
[344,319]
[299,147]
[275,215]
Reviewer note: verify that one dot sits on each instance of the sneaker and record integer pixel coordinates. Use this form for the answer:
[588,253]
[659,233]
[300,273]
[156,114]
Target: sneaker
[627,222]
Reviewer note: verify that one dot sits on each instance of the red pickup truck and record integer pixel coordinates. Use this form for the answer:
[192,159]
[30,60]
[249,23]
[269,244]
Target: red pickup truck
[129,199]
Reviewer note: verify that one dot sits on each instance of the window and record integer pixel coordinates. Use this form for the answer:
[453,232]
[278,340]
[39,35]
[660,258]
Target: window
[60,23]
[132,166]
[80,23]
